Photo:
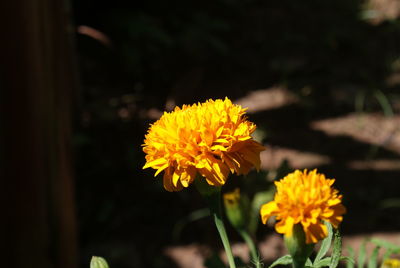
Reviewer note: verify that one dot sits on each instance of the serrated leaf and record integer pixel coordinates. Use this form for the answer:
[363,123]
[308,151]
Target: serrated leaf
[326,244]
[337,250]
[309,262]
[98,262]
[362,254]
[284,260]
[351,252]
[373,260]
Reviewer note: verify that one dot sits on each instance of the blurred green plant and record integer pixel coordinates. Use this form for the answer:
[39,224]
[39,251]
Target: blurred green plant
[379,96]
[371,260]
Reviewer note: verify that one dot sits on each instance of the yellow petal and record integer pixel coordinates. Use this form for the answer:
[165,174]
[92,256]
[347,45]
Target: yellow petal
[159,161]
[175,178]
[268,210]
[160,169]
[285,226]
[315,232]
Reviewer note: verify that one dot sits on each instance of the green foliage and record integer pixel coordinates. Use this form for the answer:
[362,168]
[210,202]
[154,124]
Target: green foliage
[337,250]
[351,256]
[395,249]
[325,245]
[321,260]
[371,260]
[362,255]
[284,260]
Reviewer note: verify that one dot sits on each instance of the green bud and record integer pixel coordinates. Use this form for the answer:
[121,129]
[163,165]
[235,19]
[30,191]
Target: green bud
[297,247]
[237,209]
[98,262]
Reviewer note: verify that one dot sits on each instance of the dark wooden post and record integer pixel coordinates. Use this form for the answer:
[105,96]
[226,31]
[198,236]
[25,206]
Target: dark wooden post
[37,82]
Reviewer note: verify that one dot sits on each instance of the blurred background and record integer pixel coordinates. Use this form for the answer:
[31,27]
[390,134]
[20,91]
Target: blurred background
[82,80]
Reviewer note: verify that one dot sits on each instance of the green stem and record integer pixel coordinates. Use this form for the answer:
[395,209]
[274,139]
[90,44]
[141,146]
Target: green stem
[222,233]
[253,250]
[298,264]
[212,194]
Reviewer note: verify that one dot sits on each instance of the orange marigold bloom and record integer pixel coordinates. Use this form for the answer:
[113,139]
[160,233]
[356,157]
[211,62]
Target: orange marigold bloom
[305,198]
[210,139]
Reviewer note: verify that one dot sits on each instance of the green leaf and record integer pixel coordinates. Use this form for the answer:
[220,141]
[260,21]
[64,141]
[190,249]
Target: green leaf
[385,244]
[284,260]
[323,262]
[326,244]
[362,254]
[387,254]
[326,261]
[384,103]
[309,263]
[348,260]
[348,263]
[98,262]
[337,250]
[373,260]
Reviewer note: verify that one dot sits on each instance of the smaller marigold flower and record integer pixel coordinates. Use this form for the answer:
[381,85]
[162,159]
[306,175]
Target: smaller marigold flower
[305,198]
[391,263]
[211,139]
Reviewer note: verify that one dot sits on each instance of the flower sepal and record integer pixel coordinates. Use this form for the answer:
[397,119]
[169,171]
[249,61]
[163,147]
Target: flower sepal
[297,246]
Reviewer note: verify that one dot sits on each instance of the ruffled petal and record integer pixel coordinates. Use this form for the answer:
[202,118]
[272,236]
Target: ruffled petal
[285,226]
[268,210]
[315,232]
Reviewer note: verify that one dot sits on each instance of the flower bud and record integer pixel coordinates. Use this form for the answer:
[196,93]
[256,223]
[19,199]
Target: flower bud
[236,209]
[297,246]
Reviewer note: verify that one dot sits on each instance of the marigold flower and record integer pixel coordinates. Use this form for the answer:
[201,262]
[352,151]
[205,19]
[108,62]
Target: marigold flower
[305,198]
[211,139]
